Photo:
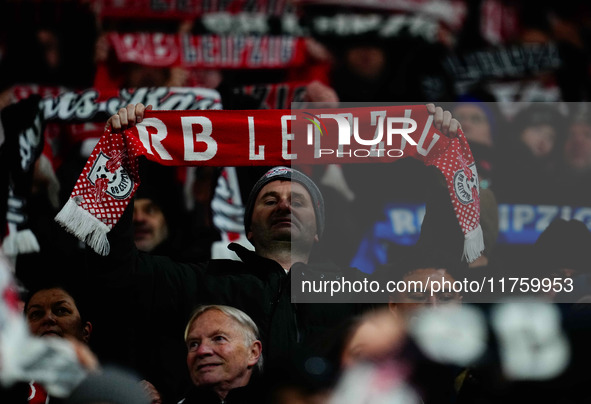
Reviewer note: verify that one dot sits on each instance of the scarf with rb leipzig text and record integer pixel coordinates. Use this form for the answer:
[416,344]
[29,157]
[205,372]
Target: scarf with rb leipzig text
[268,137]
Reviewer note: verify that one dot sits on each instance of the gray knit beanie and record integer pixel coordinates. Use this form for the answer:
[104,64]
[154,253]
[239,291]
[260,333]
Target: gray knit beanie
[286,174]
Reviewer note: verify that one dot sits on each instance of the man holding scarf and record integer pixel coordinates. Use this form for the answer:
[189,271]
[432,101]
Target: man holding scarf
[284,219]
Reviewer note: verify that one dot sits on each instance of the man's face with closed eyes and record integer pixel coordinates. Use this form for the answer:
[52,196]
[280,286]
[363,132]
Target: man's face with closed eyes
[283,211]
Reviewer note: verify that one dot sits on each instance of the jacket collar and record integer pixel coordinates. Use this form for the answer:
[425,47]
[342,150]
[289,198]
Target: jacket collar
[240,395]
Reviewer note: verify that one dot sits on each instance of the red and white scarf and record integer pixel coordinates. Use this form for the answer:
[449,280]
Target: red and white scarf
[209,51]
[43,130]
[265,137]
[188,9]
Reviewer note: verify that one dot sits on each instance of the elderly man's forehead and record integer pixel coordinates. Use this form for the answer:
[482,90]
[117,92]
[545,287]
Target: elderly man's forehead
[219,314]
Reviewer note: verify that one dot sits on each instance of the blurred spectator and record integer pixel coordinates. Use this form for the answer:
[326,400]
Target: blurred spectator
[112,385]
[137,75]
[376,70]
[150,225]
[37,58]
[161,223]
[432,290]
[539,139]
[530,153]
[379,340]
[305,377]
[479,120]
[563,250]
[372,336]
[49,43]
[575,170]
[577,149]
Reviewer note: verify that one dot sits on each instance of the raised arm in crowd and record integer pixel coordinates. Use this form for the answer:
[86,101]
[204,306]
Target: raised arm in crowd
[284,220]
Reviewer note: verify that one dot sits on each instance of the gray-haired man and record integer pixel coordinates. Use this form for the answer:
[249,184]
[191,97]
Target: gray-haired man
[223,352]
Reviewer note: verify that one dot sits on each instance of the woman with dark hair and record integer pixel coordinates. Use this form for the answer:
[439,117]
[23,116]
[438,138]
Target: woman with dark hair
[53,311]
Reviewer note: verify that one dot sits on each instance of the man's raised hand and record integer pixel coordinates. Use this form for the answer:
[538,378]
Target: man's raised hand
[127,117]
